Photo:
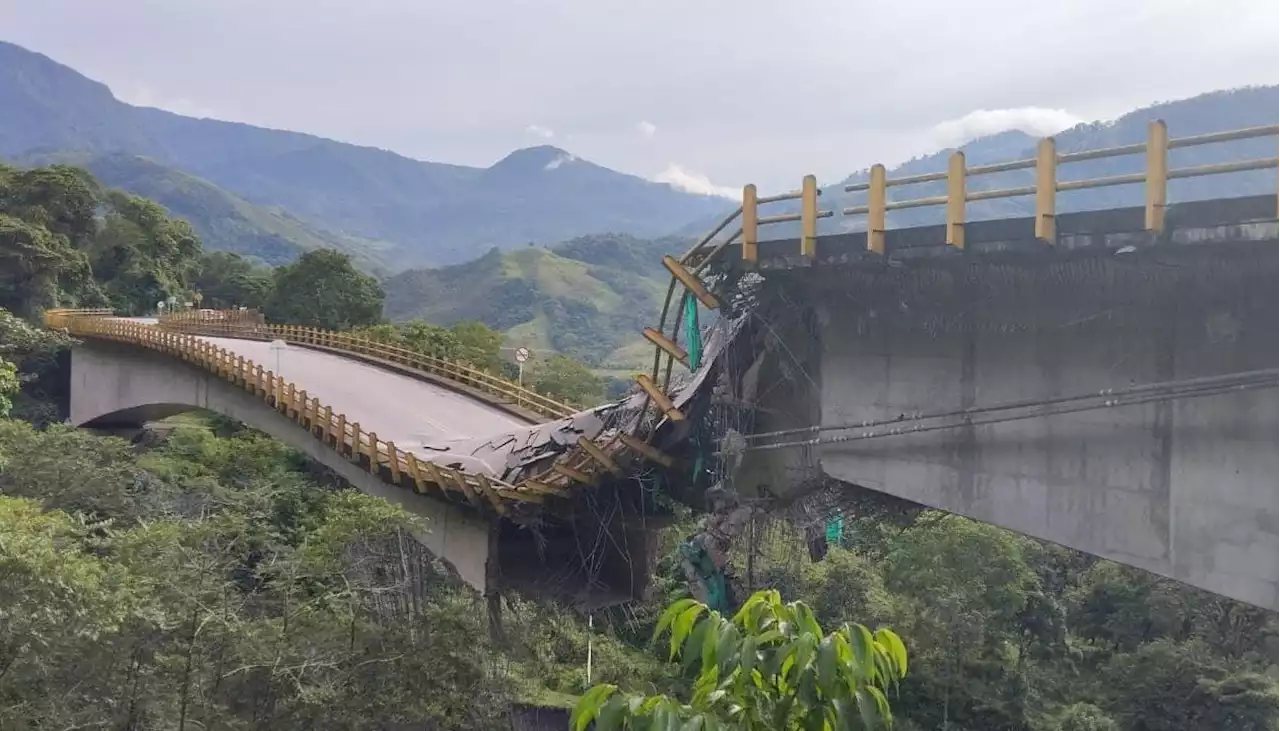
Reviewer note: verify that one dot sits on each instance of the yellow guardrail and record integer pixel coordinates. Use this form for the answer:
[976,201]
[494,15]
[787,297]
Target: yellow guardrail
[249,324]
[1155,177]
[581,465]
[685,270]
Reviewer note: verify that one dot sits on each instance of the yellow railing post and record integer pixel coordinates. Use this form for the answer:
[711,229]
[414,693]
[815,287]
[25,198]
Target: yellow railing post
[1046,190]
[1157,174]
[302,403]
[340,433]
[356,448]
[750,229]
[955,199]
[415,474]
[809,217]
[393,461]
[876,199]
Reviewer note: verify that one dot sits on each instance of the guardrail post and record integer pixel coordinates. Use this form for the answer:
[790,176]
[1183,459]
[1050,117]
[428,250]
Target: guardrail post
[750,229]
[876,199]
[1157,174]
[356,449]
[809,217]
[373,452]
[955,200]
[1046,190]
[393,461]
[340,435]
[303,402]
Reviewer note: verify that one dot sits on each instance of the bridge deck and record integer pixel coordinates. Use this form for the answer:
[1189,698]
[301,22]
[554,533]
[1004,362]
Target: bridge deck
[413,413]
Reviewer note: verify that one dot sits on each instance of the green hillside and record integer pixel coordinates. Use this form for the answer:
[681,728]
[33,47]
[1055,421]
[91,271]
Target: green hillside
[588,298]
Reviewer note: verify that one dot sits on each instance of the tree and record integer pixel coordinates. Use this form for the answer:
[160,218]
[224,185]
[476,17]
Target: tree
[322,289]
[8,386]
[770,668]
[141,255]
[1169,686]
[227,280]
[564,378]
[478,344]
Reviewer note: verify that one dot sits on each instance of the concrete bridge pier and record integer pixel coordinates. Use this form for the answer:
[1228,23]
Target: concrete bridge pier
[1186,488]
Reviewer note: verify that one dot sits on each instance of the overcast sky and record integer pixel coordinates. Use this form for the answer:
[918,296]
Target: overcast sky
[710,93]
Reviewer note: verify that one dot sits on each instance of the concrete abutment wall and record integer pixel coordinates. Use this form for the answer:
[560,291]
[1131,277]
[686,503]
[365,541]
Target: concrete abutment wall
[1184,488]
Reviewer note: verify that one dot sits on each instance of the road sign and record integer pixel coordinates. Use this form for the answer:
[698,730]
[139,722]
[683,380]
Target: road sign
[522,354]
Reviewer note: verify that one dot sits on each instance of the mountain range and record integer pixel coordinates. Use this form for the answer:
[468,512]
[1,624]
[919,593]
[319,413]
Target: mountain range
[272,193]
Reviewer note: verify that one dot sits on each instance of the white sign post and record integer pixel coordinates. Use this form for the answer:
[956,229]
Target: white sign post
[278,346]
[522,354]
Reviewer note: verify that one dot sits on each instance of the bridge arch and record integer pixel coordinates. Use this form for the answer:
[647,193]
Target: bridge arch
[115,384]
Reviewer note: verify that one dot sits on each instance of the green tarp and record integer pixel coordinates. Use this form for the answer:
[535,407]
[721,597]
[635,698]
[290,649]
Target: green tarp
[835,529]
[692,335]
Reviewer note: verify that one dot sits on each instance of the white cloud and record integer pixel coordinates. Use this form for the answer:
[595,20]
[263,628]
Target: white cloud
[143,96]
[1036,121]
[646,129]
[561,160]
[537,130]
[693,182]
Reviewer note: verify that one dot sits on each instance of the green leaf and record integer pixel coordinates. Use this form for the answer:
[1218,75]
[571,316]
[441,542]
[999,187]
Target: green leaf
[589,705]
[669,616]
[868,709]
[827,675]
[896,649]
[749,656]
[611,714]
[681,626]
[863,651]
[711,638]
[695,646]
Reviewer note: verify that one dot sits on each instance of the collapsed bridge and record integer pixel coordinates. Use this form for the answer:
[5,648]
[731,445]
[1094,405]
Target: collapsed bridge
[1093,379]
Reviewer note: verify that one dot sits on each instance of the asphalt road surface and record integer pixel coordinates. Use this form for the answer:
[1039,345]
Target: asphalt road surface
[410,412]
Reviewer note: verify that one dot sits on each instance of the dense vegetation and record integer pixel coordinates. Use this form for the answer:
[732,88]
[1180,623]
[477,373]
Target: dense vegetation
[64,239]
[388,208]
[207,577]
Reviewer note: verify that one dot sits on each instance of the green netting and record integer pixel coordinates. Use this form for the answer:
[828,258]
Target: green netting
[717,587]
[692,335]
[835,529]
